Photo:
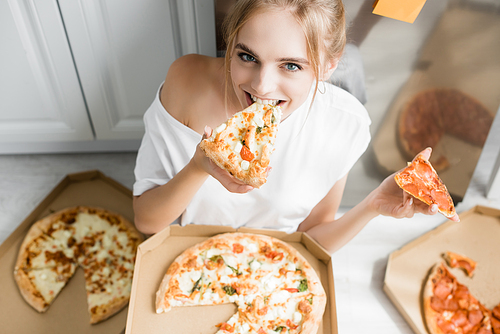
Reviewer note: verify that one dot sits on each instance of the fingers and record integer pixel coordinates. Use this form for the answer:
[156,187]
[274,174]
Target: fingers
[234,185]
[406,209]
[433,209]
[229,182]
[238,188]
[409,209]
[426,153]
[268,170]
[207,132]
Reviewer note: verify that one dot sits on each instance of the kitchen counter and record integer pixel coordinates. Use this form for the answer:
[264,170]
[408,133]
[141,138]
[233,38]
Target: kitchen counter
[359,267]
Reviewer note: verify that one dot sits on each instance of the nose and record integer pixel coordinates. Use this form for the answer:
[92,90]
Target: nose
[264,81]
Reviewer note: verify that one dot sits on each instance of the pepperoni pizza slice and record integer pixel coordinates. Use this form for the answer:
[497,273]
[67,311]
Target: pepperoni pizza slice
[421,180]
[455,260]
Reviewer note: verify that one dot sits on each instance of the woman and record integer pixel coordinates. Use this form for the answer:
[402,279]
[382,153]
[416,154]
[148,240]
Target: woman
[279,51]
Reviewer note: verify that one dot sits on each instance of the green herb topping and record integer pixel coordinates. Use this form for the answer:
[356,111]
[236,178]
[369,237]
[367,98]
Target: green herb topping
[229,290]
[303,285]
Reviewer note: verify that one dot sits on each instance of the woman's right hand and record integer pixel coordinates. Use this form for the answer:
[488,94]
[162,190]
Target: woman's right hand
[229,182]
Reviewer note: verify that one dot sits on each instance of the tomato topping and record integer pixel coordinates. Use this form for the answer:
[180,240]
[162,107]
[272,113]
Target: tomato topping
[291,325]
[238,248]
[261,331]
[275,256]
[246,154]
[263,311]
[226,327]
[180,296]
[292,290]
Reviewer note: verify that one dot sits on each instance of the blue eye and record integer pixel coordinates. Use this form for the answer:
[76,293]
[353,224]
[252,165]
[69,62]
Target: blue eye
[292,67]
[246,57]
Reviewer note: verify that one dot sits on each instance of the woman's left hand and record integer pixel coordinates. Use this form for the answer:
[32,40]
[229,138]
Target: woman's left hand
[390,200]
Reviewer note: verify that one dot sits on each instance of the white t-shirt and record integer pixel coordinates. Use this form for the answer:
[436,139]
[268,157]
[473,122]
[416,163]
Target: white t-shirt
[315,147]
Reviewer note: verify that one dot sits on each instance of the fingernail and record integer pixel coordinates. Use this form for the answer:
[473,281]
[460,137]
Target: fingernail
[410,202]
[434,208]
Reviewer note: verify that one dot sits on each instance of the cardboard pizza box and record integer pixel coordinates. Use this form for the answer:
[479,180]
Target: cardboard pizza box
[477,236]
[155,255]
[68,313]
[437,68]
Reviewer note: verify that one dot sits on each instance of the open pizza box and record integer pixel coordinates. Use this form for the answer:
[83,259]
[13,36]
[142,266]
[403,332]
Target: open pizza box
[155,255]
[476,236]
[68,313]
[474,73]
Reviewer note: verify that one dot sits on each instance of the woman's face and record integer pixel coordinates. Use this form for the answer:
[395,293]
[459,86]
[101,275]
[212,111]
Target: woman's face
[270,62]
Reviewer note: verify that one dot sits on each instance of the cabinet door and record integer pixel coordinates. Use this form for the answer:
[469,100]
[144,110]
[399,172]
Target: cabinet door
[40,96]
[122,50]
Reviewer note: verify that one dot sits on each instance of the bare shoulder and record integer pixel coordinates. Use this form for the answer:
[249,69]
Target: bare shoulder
[193,81]
[184,68]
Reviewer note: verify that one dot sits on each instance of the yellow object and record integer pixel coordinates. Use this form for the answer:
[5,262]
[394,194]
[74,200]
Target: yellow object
[402,10]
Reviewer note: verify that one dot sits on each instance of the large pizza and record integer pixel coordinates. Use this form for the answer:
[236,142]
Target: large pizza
[273,285]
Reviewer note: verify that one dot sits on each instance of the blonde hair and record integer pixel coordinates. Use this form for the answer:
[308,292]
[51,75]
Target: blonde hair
[323,23]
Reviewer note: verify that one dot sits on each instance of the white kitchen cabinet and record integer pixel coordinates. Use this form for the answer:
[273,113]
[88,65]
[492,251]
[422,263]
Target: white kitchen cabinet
[40,94]
[78,75]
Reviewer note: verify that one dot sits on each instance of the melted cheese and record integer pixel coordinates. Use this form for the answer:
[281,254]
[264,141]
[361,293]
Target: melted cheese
[248,279]
[253,115]
[106,255]
[48,282]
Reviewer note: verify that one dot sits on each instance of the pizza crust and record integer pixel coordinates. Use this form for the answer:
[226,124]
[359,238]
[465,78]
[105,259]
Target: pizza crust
[218,151]
[429,314]
[100,313]
[28,291]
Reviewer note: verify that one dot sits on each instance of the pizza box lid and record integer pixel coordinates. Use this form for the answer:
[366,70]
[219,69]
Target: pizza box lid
[433,69]
[476,236]
[155,255]
[68,313]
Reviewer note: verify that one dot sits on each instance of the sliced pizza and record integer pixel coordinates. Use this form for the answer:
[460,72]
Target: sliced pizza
[273,285]
[432,113]
[420,180]
[244,143]
[455,260]
[101,242]
[449,306]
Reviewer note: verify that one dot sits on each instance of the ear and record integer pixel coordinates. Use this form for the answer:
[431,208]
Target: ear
[330,68]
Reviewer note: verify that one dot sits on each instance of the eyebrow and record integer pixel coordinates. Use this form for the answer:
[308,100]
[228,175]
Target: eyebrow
[286,59]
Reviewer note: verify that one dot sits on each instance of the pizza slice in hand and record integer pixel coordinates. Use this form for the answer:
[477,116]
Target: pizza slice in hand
[421,180]
[244,143]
